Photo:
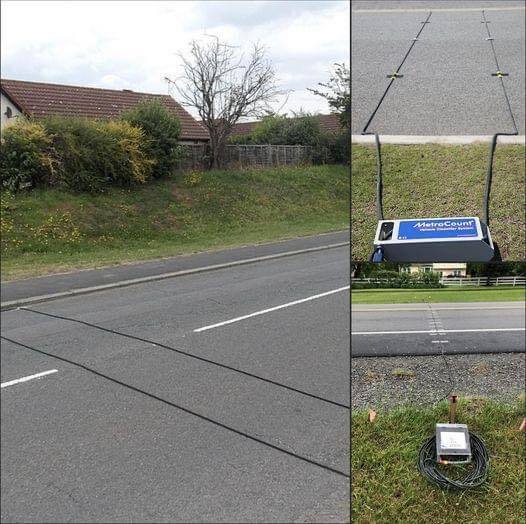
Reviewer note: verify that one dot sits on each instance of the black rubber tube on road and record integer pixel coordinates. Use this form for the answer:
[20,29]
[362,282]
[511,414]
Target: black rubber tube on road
[379,181]
[493,144]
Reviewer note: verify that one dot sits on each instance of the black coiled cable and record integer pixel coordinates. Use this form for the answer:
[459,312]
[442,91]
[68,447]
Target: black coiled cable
[429,467]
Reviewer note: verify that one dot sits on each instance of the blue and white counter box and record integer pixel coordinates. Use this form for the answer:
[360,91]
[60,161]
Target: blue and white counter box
[451,239]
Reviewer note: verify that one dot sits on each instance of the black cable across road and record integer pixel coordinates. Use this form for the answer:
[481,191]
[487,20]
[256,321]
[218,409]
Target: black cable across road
[393,77]
[489,173]
[444,358]
[182,408]
[190,355]
[500,75]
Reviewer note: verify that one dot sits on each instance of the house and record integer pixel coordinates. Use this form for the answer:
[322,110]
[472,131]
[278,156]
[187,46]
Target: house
[328,123]
[445,270]
[39,99]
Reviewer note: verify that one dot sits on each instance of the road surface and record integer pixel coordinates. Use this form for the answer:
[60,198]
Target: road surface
[122,429]
[24,289]
[447,87]
[430,329]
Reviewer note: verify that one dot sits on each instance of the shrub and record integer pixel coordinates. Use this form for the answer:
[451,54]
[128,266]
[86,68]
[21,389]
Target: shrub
[161,129]
[27,156]
[93,154]
[340,147]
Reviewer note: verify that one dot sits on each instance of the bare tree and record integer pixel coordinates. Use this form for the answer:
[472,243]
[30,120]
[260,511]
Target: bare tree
[338,93]
[223,88]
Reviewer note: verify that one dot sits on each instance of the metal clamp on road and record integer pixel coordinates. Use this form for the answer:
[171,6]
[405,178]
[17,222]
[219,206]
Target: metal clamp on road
[446,239]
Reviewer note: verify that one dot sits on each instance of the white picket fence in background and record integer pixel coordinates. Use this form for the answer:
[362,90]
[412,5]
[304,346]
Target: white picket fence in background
[483,281]
[463,281]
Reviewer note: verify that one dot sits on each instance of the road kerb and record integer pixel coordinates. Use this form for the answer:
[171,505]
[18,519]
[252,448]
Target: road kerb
[12,304]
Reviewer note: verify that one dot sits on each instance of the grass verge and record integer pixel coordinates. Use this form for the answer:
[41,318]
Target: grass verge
[439,181]
[463,294]
[386,484]
[46,231]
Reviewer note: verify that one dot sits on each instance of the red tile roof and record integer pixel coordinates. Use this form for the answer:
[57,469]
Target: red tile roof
[38,99]
[328,123]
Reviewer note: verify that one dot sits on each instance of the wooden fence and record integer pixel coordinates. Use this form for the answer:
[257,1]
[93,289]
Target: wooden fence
[267,155]
[460,281]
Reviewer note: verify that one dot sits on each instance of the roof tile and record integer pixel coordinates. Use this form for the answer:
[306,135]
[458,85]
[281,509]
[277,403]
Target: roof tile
[39,99]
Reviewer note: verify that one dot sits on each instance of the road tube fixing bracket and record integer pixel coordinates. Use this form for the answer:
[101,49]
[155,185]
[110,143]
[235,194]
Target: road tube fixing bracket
[500,74]
[395,75]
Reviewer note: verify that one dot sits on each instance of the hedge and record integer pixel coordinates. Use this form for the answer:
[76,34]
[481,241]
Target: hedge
[161,131]
[391,279]
[27,157]
[80,154]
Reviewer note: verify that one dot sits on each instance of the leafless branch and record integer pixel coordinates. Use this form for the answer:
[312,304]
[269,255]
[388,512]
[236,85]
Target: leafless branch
[224,86]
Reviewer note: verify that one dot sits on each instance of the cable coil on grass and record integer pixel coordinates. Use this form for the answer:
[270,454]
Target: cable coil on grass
[429,467]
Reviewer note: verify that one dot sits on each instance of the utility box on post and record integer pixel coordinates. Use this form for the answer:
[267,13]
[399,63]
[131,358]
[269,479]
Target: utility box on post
[451,239]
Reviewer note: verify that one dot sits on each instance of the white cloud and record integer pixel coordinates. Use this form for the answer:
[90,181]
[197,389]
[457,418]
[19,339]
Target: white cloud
[135,44]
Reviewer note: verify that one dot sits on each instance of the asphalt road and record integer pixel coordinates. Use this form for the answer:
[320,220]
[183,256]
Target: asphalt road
[75,280]
[430,329]
[447,87]
[146,434]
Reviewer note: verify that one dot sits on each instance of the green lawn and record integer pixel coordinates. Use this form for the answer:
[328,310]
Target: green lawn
[433,180]
[46,231]
[463,294]
[387,486]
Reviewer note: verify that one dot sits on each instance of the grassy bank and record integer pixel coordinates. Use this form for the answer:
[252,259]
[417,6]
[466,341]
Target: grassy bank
[439,181]
[46,231]
[462,294]
[386,484]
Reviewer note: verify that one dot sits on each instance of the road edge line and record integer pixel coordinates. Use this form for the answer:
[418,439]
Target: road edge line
[4,306]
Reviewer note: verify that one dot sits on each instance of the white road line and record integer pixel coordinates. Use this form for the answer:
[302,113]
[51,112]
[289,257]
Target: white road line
[30,377]
[435,308]
[440,342]
[263,311]
[435,332]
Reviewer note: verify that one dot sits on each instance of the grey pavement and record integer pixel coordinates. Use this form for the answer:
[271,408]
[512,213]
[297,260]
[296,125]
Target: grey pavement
[447,87]
[79,447]
[74,280]
[422,329]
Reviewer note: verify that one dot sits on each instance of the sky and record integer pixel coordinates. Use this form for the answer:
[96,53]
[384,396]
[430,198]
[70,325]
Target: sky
[135,44]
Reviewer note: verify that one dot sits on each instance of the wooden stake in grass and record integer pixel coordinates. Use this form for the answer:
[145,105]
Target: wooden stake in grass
[523,425]
[452,408]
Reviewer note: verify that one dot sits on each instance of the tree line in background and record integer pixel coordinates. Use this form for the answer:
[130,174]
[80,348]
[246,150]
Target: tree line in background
[300,129]
[479,269]
[224,87]
[88,155]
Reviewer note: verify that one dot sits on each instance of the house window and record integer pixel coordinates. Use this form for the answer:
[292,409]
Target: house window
[456,273]
[8,112]
[426,269]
